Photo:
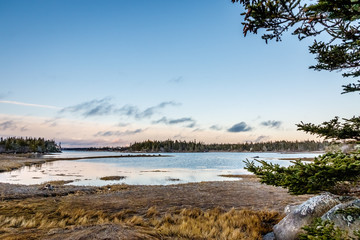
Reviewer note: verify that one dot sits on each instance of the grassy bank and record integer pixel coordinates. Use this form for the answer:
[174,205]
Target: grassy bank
[242,209]
[33,219]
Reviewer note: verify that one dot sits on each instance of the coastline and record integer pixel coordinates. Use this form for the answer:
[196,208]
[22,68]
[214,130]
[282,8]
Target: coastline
[135,211]
[146,212]
[10,162]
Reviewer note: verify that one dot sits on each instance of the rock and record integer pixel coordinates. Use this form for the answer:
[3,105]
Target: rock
[48,187]
[291,225]
[290,208]
[269,236]
[348,220]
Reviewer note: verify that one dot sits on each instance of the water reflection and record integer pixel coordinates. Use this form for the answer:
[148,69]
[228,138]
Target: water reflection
[180,168]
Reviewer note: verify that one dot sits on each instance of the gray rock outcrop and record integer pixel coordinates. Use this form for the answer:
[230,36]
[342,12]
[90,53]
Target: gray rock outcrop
[269,236]
[299,216]
[344,217]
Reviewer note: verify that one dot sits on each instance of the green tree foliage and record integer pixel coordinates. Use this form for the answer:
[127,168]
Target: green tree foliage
[323,230]
[335,129]
[25,145]
[326,173]
[337,20]
[193,146]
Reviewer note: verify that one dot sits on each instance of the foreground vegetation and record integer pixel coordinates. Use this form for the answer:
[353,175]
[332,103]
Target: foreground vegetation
[38,217]
[335,30]
[320,229]
[28,145]
[333,172]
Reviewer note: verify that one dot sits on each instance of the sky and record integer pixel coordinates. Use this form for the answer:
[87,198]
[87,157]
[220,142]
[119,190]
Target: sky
[110,73]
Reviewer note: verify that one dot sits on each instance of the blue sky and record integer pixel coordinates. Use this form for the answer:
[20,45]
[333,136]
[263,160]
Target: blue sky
[114,72]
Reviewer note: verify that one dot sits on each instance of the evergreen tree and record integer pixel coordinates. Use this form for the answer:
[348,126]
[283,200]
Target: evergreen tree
[21,145]
[338,20]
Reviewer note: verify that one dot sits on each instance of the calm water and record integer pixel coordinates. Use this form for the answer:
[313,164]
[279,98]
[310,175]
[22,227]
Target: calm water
[178,168]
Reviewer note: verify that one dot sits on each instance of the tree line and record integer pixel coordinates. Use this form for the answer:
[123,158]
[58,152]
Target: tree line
[27,145]
[193,146]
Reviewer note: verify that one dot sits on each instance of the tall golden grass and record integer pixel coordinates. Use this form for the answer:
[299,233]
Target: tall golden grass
[217,224]
[183,223]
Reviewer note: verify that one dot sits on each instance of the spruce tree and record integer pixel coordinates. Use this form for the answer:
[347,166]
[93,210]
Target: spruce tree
[338,21]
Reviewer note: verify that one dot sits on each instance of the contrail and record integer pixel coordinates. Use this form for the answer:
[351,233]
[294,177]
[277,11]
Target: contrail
[29,104]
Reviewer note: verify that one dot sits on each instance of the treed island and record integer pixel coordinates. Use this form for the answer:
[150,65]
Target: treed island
[27,145]
[41,145]
[194,146]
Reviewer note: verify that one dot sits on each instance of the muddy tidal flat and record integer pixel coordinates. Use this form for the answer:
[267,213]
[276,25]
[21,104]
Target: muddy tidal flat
[204,210]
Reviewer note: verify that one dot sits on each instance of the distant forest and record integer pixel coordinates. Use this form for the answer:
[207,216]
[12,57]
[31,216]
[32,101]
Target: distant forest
[193,146]
[28,145]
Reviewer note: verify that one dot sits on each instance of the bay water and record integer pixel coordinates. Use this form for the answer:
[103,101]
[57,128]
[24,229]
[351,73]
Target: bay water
[175,168]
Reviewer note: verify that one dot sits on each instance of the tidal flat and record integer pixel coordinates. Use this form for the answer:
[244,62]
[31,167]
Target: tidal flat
[241,209]
[91,168]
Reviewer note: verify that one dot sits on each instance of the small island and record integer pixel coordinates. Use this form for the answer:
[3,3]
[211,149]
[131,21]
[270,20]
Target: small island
[28,145]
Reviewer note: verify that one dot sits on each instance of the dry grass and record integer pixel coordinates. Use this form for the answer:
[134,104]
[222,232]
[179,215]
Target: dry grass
[9,163]
[216,224]
[112,178]
[40,216]
[113,188]
[58,182]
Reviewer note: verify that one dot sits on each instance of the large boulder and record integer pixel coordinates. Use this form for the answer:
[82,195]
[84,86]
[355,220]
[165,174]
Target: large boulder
[345,216]
[299,216]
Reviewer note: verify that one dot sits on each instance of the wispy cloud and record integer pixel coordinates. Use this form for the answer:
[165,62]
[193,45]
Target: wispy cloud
[198,130]
[104,107]
[24,129]
[216,127]
[122,124]
[261,138]
[118,133]
[8,125]
[191,122]
[4,95]
[135,112]
[178,137]
[51,122]
[91,108]
[177,79]
[271,124]
[28,104]
[92,143]
[240,127]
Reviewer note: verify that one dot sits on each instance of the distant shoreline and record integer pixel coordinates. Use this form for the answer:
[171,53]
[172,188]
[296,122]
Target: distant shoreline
[10,162]
[210,151]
